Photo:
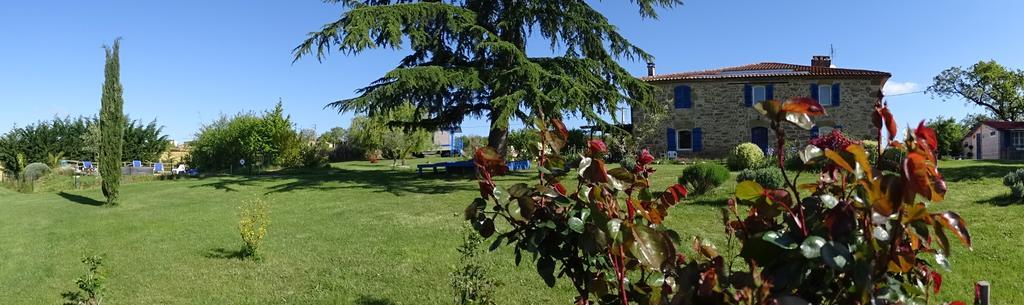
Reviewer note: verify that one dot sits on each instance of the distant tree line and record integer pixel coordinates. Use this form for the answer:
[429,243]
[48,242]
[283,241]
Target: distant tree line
[78,139]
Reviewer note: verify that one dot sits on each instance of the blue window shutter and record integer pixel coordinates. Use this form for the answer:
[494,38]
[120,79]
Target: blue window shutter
[769,92]
[698,140]
[835,94]
[814,132]
[748,95]
[670,138]
[687,97]
[678,97]
[814,91]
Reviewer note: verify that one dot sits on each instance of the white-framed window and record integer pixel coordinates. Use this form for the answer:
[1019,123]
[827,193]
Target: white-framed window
[825,95]
[760,93]
[684,140]
[1018,138]
[825,130]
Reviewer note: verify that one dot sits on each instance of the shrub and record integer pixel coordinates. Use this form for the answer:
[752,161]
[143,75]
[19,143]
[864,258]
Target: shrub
[90,285]
[1015,181]
[704,177]
[268,139]
[768,177]
[470,283]
[744,156]
[871,147]
[254,217]
[35,171]
[891,159]
[525,143]
[315,155]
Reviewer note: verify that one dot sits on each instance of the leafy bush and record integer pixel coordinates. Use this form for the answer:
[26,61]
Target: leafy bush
[254,217]
[744,156]
[315,154]
[90,286]
[871,147]
[268,140]
[524,141]
[585,234]
[891,159]
[769,177]
[704,177]
[1015,181]
[470,283]
[35,171]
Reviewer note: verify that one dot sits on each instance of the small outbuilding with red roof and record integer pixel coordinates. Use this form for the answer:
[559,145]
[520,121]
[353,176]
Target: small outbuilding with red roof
[995,140]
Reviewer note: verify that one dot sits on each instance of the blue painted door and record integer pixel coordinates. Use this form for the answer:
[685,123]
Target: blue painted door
[759,136]
[977,146]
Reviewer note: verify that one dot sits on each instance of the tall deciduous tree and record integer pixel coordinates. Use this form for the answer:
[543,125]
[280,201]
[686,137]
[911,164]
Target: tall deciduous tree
[469,59]
[987,84]
[112,123]
[949,132]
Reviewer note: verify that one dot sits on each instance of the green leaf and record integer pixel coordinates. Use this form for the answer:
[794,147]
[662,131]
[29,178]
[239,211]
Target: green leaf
[749,191]
[648,246]
[546,270]
[784,241]
[519,190]
[811,247]
[576,224]
[594,240]
[622,175]
[526,206]
[836,255]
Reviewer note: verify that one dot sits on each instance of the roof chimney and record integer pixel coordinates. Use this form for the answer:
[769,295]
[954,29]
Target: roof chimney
[821,61]
[650,69]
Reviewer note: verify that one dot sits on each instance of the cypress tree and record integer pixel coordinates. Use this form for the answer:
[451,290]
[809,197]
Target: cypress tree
[112,123]
[469,59]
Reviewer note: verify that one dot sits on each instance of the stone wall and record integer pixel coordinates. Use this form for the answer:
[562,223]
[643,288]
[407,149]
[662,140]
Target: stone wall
[719,110]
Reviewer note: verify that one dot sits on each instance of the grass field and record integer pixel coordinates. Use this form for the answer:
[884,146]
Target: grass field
[366,234]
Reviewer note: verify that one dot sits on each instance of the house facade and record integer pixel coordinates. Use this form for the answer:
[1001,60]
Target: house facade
[711,111]
[995,140]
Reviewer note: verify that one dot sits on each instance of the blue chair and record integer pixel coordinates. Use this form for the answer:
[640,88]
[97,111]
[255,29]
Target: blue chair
[136,164]
[87,165]
[158,167]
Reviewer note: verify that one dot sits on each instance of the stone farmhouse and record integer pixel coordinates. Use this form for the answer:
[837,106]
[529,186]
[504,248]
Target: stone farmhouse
[711,111]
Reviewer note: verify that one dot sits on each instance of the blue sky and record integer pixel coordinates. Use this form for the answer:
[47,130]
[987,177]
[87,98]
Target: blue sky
[186,62]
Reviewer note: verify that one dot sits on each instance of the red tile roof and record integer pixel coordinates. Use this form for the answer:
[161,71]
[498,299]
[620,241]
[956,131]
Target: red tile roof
[767,69]
[1004,125]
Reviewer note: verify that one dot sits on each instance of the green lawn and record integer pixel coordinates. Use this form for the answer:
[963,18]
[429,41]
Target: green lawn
[365,234]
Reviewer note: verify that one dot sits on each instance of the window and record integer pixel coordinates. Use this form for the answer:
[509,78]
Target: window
[825,95]
[1018,138]
[684,140]
[824,130]
[760,94]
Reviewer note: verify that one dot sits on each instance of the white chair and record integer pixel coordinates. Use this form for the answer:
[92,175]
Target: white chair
[179,170]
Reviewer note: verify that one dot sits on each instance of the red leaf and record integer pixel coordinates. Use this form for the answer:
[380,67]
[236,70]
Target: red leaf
[936,279]
[673,195]
[922,176]
[804,105]
[876,116]
[596,171]
[927,136]
[486,189]
[890,122]
[560,188]
[952,222]
[597,147]
[488,159]
[560,127]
